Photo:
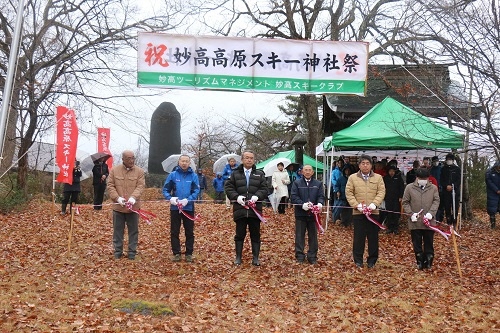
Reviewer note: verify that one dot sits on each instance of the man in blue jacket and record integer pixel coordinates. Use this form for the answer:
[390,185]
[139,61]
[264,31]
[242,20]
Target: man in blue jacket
[306,193]
[493,192]
[182,188]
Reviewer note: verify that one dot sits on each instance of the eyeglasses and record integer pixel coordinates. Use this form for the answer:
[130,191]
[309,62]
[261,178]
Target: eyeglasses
[129,158]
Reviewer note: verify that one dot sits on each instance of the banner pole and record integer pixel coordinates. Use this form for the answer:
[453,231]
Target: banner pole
[70,236]
[454,238]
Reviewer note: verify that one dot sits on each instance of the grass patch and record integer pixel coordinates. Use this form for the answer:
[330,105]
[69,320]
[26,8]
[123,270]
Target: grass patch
[142,307]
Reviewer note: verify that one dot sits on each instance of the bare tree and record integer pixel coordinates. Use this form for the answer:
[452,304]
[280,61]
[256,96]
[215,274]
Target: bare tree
[468,34]
[387,21]
[73,52]
[210,141]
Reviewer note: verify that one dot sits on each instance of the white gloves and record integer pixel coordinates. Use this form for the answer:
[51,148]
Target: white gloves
[254,198]
[372,206]
[306,206]
[319,206]
[121,201]
[360,207]
[183,202]
[241,200]
[131,201]
[173,200]
[428,216]
[414,217]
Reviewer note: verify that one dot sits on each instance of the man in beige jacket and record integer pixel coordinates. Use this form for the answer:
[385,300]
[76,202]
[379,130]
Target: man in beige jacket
[365,191]
[125,185]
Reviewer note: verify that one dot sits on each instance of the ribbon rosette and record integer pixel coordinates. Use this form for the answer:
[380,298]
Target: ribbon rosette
[147,216]
[195,218]
[368,212]
[252,205]
[317,211]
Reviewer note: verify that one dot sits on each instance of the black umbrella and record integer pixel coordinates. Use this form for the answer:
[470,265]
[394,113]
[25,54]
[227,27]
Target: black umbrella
[100,156]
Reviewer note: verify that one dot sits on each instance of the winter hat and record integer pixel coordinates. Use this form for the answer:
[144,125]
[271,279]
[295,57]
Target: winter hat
[392,167]
[450,156]
[422,173]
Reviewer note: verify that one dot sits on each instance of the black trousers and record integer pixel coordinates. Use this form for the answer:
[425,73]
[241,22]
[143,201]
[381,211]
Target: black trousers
[302,224]
[425,236]
[447,202]
[253,227]
[365,230]
[67,196]
[282,205]
[99,195]
[176,219]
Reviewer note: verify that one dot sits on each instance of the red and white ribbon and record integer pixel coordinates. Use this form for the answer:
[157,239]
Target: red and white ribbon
[317,211]
[252,205]
[195,218]
[147,216]
[443,233]
[368,212]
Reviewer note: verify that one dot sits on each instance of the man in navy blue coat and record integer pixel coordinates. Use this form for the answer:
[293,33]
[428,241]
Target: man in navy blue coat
[493,192]
[306,193]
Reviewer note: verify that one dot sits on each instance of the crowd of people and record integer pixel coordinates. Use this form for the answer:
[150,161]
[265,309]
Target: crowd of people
[376,192]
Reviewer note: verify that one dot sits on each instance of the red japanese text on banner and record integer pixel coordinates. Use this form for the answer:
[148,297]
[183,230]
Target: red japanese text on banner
[67,140]
[103,138]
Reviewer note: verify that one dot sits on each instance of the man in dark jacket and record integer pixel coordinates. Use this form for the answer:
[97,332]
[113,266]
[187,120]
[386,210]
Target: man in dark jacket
[247,186]
[71,191]
[493,192]
[100,173]
[306,193]
[450,183]
[394,189]
[203,184]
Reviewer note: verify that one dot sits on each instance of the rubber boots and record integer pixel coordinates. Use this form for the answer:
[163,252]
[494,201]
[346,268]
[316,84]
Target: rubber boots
[429,257]
[420,260]
[239,250]
[492,221]
[255,253]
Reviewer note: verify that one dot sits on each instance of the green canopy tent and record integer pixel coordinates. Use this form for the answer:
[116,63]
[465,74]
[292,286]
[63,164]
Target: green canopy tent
[290,154]
[392,125]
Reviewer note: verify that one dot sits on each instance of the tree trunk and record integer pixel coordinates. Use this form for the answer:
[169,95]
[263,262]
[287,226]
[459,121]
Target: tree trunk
[310,105]
[9,145]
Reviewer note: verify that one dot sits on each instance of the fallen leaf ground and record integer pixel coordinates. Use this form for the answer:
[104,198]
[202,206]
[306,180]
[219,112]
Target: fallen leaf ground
[46,288]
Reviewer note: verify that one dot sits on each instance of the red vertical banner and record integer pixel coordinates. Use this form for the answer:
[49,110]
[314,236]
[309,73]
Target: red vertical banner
[66,142]
[103,138]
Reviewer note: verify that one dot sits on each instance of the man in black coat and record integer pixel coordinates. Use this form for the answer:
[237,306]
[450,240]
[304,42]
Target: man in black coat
[306,193]
[247,186]
[100,173]
[450,183]
[394,189]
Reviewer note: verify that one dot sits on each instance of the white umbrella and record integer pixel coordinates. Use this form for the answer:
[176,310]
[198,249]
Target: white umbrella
[220,164]
[172,161]
[272,166]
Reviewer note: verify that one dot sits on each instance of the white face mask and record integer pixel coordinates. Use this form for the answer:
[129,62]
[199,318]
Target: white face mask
[449,162]
[435,163]
[422,182]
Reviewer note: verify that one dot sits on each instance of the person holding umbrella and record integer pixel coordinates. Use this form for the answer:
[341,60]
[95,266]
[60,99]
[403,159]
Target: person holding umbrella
[100,173]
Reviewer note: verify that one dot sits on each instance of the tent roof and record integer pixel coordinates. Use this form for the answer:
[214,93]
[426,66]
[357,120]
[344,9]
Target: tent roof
[392,125]
[290,154]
